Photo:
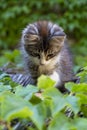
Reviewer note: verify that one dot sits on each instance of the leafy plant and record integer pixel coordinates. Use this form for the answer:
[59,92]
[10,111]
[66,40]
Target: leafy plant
[43,107]
[11,59]
[70,15]
[62,12]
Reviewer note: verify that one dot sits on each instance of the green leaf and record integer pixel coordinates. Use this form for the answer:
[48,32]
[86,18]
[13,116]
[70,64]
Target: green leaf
[56,100]
[69,86]
[85,68]
[73,103]
[83,75]
[5,79]
[60,122]
[45,82]
[2,75]
[26,92]
[5,88]
[80,123]
[82,98]
[39,115]
[76,88]
[1,127]
[80,88]
[12,106]
[12,56]
[84,110]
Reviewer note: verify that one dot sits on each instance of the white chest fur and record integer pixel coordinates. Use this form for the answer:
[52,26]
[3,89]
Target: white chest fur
[56,77]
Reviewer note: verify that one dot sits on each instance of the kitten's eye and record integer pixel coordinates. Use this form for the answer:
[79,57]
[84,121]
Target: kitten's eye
[35,55]
[49,56]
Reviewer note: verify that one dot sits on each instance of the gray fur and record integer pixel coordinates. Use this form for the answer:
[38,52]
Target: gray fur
[41,39]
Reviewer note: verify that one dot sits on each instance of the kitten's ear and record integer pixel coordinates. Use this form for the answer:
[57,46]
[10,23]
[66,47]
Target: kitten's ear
[31,39]
[59,40]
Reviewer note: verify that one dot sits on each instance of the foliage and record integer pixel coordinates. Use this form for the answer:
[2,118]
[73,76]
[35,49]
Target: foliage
[83,75]
[71,15]
[63,12]
[43,107]
[11,57]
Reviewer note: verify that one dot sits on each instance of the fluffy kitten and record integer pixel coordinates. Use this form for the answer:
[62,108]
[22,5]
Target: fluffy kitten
[45,52]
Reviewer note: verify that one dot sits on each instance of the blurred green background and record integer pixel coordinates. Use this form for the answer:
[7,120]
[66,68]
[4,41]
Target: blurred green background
[69,14]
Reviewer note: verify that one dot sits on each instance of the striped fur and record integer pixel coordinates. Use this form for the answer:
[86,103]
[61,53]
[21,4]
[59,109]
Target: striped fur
[45,52]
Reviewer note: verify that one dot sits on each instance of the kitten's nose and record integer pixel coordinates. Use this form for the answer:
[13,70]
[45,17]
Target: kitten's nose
[42,62]
[42,59]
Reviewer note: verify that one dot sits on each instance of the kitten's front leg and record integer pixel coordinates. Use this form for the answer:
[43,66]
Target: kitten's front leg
[56,77]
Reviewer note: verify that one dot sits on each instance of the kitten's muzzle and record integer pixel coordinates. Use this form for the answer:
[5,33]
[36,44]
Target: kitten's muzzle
[42,64]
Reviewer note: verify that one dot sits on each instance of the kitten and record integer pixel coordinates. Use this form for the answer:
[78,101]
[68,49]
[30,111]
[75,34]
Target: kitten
[45,52]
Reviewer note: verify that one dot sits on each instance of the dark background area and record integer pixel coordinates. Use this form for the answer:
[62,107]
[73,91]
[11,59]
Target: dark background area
[71,15]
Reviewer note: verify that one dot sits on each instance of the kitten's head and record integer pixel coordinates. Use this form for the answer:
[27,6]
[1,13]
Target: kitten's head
[43,41]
